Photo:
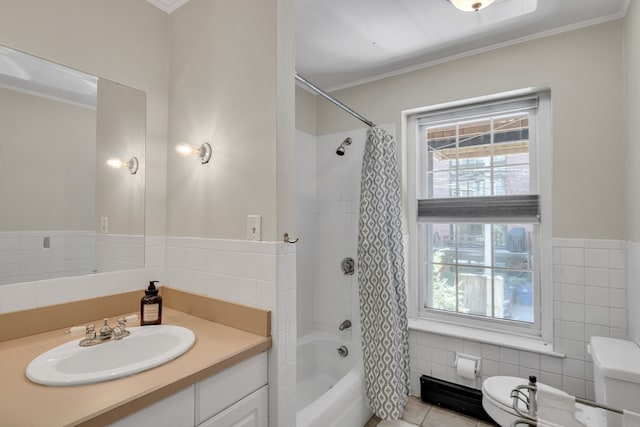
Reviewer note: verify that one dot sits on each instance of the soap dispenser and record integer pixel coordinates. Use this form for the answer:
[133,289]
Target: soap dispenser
[151,306]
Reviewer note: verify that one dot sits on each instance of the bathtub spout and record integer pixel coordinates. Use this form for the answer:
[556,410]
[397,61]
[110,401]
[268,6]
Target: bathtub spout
[344,325]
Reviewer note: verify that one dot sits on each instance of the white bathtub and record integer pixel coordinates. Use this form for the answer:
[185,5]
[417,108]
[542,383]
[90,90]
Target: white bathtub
[330,388]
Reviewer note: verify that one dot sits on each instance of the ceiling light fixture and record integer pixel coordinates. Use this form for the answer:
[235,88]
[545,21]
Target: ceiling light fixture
[203,152]
[132,164]
[471,5]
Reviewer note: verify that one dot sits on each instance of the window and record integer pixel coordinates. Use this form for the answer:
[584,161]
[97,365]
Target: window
[480,225]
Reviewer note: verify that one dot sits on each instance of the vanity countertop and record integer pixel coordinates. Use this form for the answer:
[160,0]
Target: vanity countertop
[23,403]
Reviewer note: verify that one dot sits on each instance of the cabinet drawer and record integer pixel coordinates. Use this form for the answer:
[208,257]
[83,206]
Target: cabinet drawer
[175,410]
[217,393]
[252,411]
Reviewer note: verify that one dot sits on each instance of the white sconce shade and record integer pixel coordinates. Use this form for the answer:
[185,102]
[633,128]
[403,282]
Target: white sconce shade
[132,164]
[204,151]
[471,5]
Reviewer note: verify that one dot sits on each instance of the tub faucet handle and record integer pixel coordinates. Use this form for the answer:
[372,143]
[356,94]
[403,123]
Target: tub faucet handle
[344,325]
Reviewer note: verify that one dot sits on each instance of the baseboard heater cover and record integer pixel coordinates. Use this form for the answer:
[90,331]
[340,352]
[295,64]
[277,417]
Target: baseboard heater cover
[456,397]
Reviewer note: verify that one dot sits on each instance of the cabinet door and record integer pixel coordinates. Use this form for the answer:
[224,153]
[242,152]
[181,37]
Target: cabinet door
[252,411]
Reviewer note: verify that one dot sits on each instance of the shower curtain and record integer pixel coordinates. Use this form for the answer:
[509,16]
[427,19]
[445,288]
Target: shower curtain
[381,279]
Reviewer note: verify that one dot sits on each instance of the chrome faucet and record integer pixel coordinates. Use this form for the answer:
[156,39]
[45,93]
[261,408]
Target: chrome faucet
[106,332]
[344,325]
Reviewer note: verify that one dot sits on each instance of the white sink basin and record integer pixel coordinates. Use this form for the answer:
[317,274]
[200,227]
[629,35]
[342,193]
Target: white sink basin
[146,348]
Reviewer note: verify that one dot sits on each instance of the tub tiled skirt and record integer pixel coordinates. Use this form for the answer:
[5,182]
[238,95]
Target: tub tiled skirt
[419,413]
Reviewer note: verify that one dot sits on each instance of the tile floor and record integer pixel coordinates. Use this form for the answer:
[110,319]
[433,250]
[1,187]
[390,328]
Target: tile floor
[419,413]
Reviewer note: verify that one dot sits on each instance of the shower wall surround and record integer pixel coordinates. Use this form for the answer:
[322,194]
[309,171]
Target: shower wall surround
[335,295]
[306,224]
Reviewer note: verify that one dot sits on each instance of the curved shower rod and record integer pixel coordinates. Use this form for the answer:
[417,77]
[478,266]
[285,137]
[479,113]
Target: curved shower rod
[322,93]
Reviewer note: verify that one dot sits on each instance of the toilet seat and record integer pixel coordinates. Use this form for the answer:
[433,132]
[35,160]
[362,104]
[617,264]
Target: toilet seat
[498,391]
[496,394]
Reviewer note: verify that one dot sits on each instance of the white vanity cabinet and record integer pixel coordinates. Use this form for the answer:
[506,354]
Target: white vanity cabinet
[236,397]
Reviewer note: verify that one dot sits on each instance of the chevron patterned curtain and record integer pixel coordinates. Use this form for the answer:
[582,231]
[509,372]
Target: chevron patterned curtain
[381,279]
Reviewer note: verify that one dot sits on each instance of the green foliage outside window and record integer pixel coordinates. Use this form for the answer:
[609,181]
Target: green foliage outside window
[444,289]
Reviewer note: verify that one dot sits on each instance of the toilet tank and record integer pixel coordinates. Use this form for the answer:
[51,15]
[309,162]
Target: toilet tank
[616,372]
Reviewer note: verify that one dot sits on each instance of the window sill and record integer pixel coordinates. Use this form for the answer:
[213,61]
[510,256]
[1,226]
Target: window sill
[502,339]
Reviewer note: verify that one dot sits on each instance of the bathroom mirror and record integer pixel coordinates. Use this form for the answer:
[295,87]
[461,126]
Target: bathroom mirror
[63,210]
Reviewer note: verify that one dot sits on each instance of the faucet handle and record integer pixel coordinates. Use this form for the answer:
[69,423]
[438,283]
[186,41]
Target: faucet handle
[90,332]
[122,321]
[76,330]
[105,330]
[118,332]
[131,318]
[79,330]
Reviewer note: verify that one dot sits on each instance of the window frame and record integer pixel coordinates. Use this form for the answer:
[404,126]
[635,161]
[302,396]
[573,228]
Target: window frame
[540,165]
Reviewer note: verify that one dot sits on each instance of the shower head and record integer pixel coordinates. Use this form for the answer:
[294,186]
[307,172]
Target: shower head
[340,149]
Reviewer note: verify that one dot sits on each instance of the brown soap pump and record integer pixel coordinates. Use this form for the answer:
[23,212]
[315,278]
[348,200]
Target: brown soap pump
[151,306]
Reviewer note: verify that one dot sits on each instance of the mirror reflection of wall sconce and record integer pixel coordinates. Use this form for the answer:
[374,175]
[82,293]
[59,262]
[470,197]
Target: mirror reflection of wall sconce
[204,151]
[132,164]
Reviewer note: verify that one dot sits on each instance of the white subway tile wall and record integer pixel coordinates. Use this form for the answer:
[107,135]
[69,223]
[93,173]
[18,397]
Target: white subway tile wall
[589,297]
[115,252]
[40,293]
[306,228]
[337,204]
[335,296]
[258,274]
[154,251]
[37,255]
[633,290]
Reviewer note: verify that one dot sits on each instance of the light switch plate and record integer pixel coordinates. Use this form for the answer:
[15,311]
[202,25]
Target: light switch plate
[254,227]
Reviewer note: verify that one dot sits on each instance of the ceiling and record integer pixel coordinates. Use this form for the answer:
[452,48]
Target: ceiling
[341,43]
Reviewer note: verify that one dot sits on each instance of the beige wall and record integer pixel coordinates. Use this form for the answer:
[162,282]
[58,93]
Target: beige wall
[632,103]
[583,69]
[120,133]
[285,121]
[47,163]
[305,111]
[123,41]
[226,87]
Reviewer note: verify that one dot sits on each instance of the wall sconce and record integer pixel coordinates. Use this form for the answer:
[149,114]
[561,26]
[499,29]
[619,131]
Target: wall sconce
[204,151]
[471,5]
[132,164]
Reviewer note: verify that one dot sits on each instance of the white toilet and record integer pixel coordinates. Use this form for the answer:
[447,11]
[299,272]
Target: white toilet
[616,374]
[616,366]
